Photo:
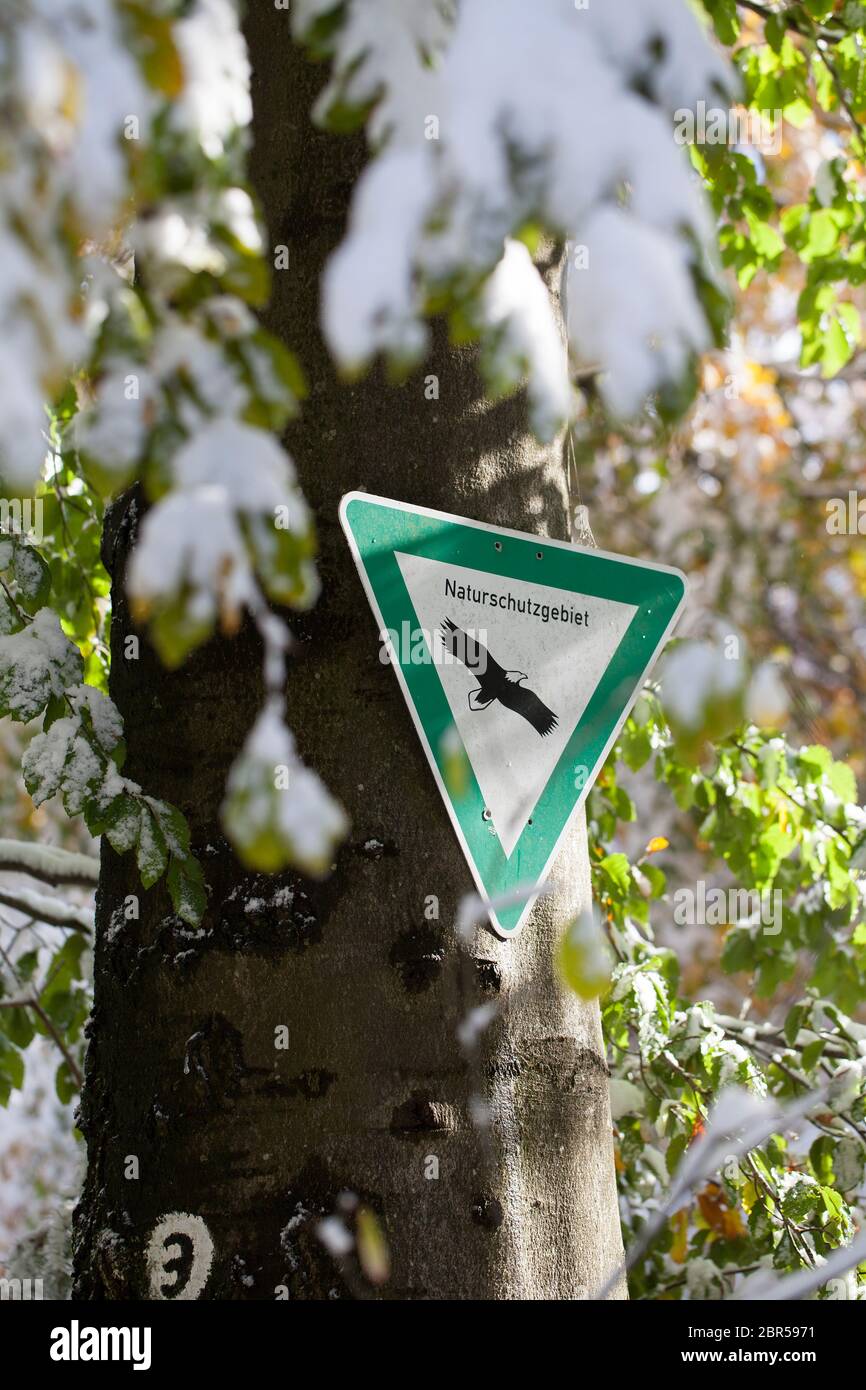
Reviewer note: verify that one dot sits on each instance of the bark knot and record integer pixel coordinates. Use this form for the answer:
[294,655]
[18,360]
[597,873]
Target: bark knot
[417,957]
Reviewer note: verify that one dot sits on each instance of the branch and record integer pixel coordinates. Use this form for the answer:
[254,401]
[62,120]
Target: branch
[67,1055]
[770,1286]
[806,29]
[769,1034]
[31,1002]
[48,863]
[800,805]
[53,911]
[841,92]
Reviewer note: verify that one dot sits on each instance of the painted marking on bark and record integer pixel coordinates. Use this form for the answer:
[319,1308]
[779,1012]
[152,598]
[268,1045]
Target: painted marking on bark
[180,1248]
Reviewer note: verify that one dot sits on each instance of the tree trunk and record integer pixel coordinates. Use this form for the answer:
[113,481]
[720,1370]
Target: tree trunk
[182,1070]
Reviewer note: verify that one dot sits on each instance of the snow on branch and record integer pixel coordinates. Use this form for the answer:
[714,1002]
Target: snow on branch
[43,908]
[236,513]
[49,863]
[516,117]
[277,812]
[58,153]
[738,1122]
[769,1285]
[111,110]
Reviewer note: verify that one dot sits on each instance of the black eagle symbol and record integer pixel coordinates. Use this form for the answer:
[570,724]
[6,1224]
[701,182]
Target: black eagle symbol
[495,683]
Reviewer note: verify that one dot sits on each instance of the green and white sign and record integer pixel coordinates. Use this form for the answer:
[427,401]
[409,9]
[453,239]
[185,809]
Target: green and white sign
[519,658]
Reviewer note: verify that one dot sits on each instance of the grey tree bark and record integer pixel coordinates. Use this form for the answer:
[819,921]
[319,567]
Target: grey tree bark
[182,1070]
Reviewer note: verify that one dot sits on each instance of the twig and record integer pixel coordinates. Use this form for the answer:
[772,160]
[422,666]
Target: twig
[29,1002]
[25,617]
[67,1055]
[800,805]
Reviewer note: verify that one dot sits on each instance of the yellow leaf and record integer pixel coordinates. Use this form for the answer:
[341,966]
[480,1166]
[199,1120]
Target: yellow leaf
[657,843]
[155,48]
[725,1221]
[456,771]
[373,1251]
[584,957]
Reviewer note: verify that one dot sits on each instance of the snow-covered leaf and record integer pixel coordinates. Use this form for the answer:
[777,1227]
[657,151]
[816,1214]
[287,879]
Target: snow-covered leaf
[35,664]
[276,812]
[186,887]
[564,120]
[236,511]
[151,851]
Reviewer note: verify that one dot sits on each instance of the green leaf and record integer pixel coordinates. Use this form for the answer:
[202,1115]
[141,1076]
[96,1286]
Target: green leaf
[25,966]
[838,349]
[821,1158]
[122,823]
[65,1084]
[823,235]
[176,631]
[775,31]
[173,825]
[56,708]
[812,1053]
[795,1021]
[11,1064]
[725,19]
[152,852]
[815,760]
[738,951]
[187,890]
[675,1150]
[636,746]
[765,239]
[617,871]
[843,782]
[10,618]
[774,845]
[64,974]
[18,1026]
[35,664]
[32,576]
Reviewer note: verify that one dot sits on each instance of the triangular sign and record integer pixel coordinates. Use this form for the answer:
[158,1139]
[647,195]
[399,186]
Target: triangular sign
[519,658]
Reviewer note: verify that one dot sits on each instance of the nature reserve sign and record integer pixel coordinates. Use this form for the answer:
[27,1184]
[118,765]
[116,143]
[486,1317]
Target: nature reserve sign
[519,658]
